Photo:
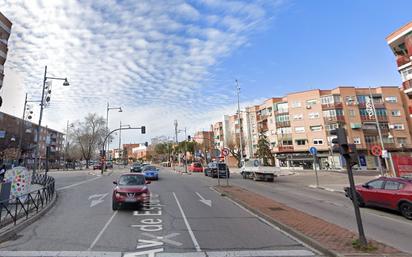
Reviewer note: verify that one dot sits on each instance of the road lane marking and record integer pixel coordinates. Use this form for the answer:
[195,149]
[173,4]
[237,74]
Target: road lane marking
[203,200]
[102,231]
[99,199]
[269,223]
[189,229]
[77,184]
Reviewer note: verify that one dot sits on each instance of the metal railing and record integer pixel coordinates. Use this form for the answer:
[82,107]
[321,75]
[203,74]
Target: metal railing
[24,206]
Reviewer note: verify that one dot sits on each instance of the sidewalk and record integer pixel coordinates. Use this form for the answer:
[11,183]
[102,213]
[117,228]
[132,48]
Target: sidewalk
[326,237]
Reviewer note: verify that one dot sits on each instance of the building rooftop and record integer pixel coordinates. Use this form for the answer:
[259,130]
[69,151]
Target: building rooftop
[399,32]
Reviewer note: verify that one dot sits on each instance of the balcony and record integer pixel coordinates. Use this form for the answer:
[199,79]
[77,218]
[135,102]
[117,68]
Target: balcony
[376,104]
[334,119]
[367,118]
[282,124]
[332,106]
[285,148]
[263,127]
[402,60]
[407,87]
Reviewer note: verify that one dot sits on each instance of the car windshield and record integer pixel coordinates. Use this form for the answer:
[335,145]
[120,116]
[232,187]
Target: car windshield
[146,168]
[197,165]
[131,180]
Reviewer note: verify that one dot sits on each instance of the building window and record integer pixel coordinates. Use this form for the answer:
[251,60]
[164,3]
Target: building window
[282,118]
[300,141]
[333,126]
[311,102]
[299,129]
[296,104]
[387,140]
[286,130]
[396,113]
[287,142]
[282,107]
[333,113]
[315,128]
[371,139]
[318,141]
[313,115]
[398,126]
[401,140]
[356,140]
[406,74]
[352,113]
[298,117]
[391,99]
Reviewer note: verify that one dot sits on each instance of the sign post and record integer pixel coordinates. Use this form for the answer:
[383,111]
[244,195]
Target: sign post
[376,150]
[314,152]
[225,153]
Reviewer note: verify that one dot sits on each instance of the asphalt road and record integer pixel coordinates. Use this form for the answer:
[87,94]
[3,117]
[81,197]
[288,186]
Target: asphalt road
[382,225]
[180,221]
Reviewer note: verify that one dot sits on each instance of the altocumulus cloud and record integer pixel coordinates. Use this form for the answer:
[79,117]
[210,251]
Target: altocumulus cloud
[153,58]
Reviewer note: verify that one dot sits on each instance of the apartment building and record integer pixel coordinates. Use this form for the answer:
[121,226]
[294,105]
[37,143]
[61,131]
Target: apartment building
[206,139]
[5,29]
[12,127]
[217,129]
[301,120]
[139,153]
[250,130]
[400,42]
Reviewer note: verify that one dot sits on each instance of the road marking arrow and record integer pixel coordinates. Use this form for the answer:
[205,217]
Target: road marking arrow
[203,200]
[99,199]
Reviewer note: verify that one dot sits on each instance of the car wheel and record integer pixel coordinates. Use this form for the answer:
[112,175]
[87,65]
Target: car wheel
[115,205]
[406,210]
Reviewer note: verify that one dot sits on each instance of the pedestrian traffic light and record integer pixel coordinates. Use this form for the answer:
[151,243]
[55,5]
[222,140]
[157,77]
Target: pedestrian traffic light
[143,129]
[189,138]
[340,144]
[146,144]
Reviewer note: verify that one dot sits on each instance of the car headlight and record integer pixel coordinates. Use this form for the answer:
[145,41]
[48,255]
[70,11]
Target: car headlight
[118,195]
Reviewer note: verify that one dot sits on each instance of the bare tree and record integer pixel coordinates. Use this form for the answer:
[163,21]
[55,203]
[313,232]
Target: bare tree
[89,135]
[234,149]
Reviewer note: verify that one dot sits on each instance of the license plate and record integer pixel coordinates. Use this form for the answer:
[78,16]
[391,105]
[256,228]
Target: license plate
[130,200]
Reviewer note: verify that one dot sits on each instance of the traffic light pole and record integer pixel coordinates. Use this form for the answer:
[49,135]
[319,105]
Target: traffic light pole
[362,238]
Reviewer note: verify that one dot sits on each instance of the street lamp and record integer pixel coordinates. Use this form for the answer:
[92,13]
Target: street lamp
[239,120]
[184,130]
[107,121]
[42,103]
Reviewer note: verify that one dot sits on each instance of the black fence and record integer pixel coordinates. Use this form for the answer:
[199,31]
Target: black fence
[24,206]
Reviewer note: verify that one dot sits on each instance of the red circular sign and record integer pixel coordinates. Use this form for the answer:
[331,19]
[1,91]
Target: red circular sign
[225,152]
[376,150]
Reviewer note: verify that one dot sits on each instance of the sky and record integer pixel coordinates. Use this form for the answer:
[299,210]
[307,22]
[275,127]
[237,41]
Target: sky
[178,59]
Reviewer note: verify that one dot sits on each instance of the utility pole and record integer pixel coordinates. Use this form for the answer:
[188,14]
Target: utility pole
[120,139]
[21,129]
[239,120]
[175,124]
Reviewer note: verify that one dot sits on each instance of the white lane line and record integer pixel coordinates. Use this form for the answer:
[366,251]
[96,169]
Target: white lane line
[269,223]
[77,184]
[189,229]
[102,231]
[369,212]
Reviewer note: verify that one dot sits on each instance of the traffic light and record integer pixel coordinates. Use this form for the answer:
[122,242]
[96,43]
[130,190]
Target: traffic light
[146,144]
[102,153]
[189,138]
[143,129]
[340,144]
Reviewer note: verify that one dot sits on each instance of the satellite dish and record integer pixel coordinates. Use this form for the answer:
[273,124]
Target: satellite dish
[48,99]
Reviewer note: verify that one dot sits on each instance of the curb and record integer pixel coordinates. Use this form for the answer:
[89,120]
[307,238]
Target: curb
[327,189]
[12,231]
[305,239]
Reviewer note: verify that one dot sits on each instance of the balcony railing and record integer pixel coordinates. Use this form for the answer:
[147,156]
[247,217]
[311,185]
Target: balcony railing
[282,124]
[407,86]
[285,148]
[332,106]
[376,104]
[402,60]
[372,118]
[338,118]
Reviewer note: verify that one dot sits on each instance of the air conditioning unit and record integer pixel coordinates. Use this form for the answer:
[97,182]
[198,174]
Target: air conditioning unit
[308,106]
[391,126]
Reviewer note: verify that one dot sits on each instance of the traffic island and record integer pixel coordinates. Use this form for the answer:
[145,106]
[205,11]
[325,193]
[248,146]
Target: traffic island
[327,238]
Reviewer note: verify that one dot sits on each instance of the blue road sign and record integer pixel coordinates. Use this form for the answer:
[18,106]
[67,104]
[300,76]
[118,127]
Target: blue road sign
[313,150]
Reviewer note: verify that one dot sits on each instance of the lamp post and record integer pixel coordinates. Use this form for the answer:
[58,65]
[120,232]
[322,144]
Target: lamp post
[239,120]
[42,103]
[107,122]
[184,130]
[120,136]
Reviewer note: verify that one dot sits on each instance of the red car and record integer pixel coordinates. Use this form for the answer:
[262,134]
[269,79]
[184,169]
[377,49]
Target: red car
[131,188]
[390,193]
[195,167]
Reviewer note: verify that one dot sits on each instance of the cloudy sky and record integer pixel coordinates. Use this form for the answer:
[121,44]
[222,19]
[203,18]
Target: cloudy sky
[178,59]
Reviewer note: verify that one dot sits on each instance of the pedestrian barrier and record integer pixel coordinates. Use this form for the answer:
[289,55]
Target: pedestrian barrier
[24,206]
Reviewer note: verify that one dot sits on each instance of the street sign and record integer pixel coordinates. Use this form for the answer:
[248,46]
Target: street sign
[256,163]
[2,134]
[385,154]
[376,150]
[225,151]
[313,150]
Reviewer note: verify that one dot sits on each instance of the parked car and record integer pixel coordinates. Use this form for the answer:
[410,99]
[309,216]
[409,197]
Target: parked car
[150,172]
[214,169]
[130,188]
[389,193]
[136,167]
[98,166]
[195,167]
